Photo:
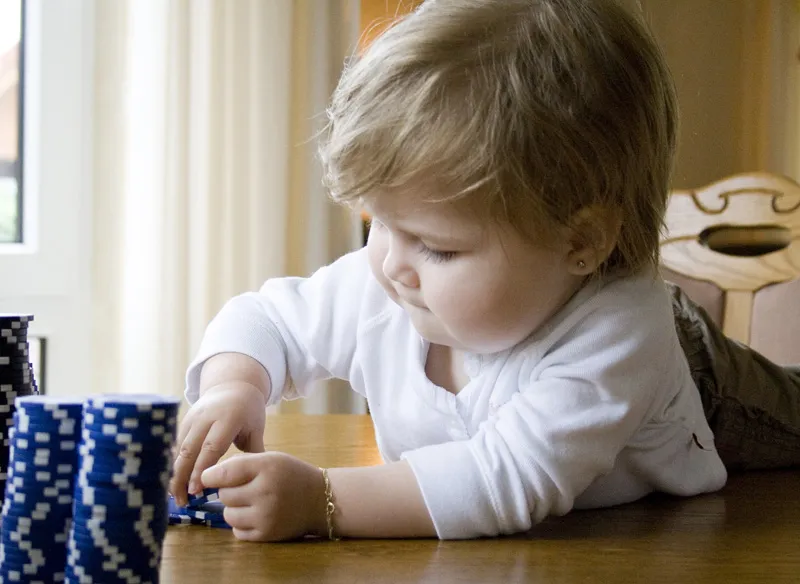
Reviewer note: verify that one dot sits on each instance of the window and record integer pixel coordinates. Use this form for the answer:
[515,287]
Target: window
[11,121]
[45,256]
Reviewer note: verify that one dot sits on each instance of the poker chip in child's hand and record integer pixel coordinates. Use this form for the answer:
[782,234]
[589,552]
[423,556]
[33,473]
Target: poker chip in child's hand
[203,509]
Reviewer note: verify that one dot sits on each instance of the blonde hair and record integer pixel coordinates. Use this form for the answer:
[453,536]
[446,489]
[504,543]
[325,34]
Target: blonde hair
[532,109]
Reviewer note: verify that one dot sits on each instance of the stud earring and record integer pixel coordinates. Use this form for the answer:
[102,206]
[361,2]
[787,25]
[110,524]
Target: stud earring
[581,264]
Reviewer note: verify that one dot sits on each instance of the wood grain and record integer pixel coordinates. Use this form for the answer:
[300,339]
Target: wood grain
[749,532]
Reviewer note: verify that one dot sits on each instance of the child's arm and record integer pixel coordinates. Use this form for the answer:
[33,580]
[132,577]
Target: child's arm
[233,391]
[264,346]
[379,501]
[274,496]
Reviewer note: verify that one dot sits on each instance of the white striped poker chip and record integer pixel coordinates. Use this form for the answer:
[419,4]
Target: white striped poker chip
[118,445]
[37,507]
[53,403]
[8,317]
[112,405]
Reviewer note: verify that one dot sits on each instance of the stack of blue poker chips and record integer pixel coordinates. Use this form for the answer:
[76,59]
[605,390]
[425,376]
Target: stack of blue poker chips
[16,377]
[120,510]
[37,510]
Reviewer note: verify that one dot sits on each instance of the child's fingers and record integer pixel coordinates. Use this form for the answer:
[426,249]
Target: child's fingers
[215,443]
[188,450]
[246,534]
[236,496]
[239,517]
[234,472]
[184,428]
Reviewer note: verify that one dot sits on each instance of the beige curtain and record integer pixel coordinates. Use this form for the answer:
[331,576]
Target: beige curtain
[206,181]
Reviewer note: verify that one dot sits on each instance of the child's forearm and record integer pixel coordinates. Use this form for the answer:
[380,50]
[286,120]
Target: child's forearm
[228,368]
[379,501]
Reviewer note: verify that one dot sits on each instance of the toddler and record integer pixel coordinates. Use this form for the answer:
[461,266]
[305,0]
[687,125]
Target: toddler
[506,321]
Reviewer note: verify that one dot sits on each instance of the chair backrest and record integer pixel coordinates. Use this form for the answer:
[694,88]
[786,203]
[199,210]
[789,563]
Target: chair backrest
[734,247]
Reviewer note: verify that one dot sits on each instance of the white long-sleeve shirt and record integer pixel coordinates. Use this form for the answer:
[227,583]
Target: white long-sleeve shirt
[596,408]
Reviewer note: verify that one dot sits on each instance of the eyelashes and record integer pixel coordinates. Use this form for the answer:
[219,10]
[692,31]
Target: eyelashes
[429,254]
[435,255]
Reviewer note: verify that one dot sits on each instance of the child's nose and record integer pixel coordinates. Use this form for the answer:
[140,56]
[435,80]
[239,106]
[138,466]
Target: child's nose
[397,269]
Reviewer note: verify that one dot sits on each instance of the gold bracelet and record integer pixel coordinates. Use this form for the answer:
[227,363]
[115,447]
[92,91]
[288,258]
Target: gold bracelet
[330,508]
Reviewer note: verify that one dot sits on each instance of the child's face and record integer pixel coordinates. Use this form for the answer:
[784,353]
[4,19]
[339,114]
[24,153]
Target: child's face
[464,283]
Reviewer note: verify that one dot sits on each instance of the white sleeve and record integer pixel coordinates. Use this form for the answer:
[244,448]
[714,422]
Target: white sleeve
[555,436]
[300,329]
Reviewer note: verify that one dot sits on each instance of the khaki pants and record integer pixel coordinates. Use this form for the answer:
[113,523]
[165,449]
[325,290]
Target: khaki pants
[752,404]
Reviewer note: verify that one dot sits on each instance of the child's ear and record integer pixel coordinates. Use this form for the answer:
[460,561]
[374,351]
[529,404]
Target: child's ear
[593,235]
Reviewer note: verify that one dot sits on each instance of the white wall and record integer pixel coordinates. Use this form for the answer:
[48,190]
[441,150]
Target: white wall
[735,68]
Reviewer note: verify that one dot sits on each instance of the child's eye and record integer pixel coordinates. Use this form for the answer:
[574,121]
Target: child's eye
[436,255]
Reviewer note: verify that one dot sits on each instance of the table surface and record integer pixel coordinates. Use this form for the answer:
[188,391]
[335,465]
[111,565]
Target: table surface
[749,532]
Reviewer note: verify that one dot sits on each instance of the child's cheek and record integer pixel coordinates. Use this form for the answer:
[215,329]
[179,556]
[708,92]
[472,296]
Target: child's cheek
[377,248]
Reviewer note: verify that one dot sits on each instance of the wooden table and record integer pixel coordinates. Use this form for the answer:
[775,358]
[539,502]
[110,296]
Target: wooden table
[750,532]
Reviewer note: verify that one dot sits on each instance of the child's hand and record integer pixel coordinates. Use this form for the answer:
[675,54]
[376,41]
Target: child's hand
[269,496]
[232,412]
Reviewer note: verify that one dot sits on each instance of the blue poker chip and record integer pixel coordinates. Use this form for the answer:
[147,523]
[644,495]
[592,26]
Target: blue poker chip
[133,501]
[24,563]
[214,507]
[117,514]
[103,471]
[123,442]
[28,463]
[48,490]
[18,365]
[53,407]
[19,545]
[120,479]
[26,508]
[55,440]
[128,419]
[17,388]
[149,522]
[115,531]
[131,550]
[110,457]
[87,510]
[115,497]
[205,496]
[208,513]
[97,565]
[15,320]
[45,550]
[44,416]
[152,436]
[151,407]
[36,536]
[32,468]
[198,514]
[27,460]
[183,519]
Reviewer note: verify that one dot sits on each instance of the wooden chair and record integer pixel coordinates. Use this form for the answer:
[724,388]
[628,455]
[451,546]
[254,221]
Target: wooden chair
[734,247]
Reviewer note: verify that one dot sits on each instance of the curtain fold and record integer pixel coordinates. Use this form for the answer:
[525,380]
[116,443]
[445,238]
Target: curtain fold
[206,181]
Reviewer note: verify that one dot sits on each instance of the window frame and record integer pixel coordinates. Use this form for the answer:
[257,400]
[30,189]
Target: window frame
[48,274]
[13,168]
